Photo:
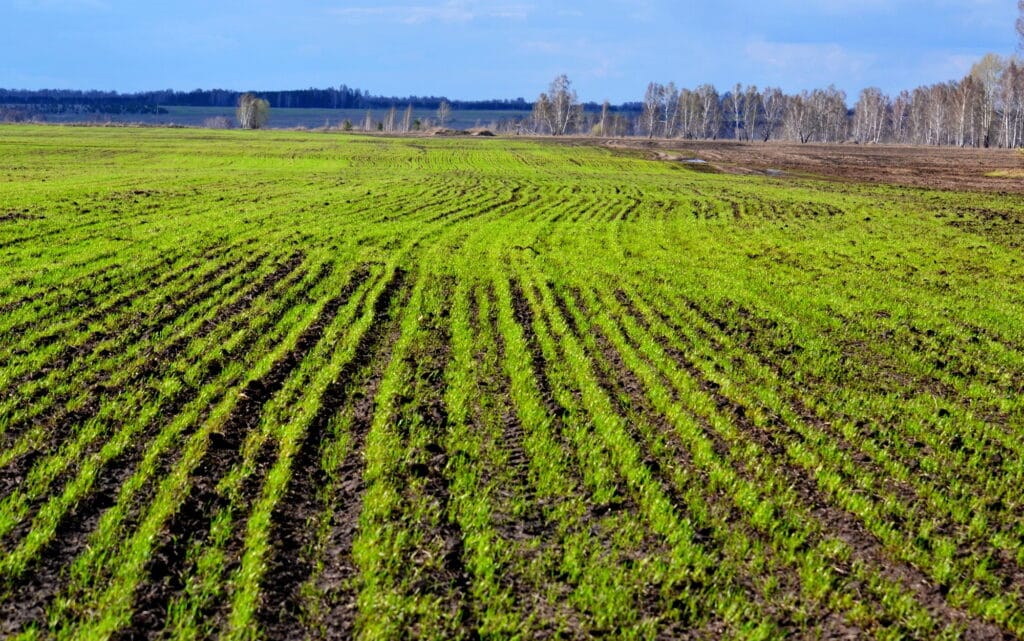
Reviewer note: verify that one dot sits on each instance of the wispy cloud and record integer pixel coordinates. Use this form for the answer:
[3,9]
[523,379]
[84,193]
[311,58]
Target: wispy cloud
[582,56]
[452,11]
[809,60]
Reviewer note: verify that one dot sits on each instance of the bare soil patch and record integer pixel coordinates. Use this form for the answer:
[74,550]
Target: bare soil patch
[993,170]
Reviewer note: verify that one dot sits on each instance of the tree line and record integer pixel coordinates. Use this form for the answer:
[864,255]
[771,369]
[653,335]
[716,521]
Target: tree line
[983,109]
[342,97]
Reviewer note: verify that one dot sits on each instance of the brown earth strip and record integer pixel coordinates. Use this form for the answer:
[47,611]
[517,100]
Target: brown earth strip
[447,584]
[947,168]
[513,433]
[291,566]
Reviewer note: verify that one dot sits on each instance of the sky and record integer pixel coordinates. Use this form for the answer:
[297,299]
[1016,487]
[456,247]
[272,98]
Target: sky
[479,49]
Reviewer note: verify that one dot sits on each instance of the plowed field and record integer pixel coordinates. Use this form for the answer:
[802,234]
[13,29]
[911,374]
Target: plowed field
[284,385]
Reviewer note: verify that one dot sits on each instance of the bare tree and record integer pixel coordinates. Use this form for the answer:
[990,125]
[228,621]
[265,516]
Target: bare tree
[651,115]
[734,107]
[564,109]
[689,113]
[917,116]
[751,112]
[899,125]
[407,120]
[603,126]
[799,121]
[620,126]
[252,112]
[828,111]
[543,115]
[444,112]
[773,102]
[1011,104]
[217,122]
[869,115]
[963,99]
[391,120]
[669,110]
[986,74]
[710,112]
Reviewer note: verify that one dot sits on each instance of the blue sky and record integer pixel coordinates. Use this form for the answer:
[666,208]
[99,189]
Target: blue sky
[610,49]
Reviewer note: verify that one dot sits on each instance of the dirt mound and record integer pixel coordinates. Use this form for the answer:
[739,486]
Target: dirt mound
[444,131]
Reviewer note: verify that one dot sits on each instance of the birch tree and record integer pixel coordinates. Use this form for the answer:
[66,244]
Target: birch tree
[986,74]
[542,115]
[799,121]
[710,112]
[444,112]
[773,102]
[651,115]
[407,120]
[899,117]
[734,107]
[963,97]
[751,112]
[252,112]
[669,110]
[563,106]
[689,113]
[1011,104]
[869,115]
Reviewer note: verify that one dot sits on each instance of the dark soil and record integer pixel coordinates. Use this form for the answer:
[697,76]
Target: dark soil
[291,565]
[189,526]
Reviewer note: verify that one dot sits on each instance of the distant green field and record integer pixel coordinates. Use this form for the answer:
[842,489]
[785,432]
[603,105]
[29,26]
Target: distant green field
[294,118]
[286,385]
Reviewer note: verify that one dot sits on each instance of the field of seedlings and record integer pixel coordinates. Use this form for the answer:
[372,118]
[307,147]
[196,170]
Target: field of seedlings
[277,385]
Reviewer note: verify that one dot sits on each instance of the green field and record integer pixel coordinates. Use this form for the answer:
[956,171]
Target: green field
[277,385]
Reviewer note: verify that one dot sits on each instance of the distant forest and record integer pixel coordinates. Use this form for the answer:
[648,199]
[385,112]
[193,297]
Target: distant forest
[111,102]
